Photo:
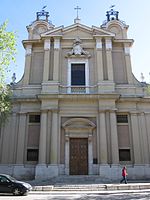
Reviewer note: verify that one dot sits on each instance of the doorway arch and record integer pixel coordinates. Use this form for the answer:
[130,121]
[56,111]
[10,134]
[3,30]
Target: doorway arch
[79,128]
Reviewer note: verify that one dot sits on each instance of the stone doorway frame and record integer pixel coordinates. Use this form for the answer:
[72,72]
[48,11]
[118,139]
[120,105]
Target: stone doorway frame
[79,128]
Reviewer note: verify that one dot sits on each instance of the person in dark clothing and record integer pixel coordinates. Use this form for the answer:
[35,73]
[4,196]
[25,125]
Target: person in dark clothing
[124,175]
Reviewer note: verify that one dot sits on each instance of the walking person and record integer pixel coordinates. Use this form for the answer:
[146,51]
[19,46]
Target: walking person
[124,175]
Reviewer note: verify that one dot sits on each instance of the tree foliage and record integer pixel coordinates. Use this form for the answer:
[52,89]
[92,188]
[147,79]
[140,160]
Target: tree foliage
[5,102]
[7,55]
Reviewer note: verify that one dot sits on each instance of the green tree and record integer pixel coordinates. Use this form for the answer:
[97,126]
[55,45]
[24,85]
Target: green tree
[7,56]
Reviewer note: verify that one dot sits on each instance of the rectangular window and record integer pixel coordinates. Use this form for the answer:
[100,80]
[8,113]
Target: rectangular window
[122,118]
[33,138]
[32,154]
[78,74]
[124,155]
[34,118]
[123,137]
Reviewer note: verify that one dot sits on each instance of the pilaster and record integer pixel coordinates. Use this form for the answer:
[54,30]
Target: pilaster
[90,154]
[49,131]
[46,60]
[147,120]
[43,138]
[136,138]
[144,138]
[27,64]
[21,138]
[12,139]
[56,59]
[54,137]
[103,139]
[114,138]
[128,63]
[108,44]
[99,58]
[67,150]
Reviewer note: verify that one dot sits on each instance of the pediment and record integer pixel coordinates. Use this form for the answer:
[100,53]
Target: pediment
[101,32]
[75,30]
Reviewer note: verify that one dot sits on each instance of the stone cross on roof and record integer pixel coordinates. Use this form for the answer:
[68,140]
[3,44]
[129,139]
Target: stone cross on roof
[77,8]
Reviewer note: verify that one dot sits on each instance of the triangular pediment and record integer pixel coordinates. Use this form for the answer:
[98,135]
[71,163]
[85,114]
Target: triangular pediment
[77,29]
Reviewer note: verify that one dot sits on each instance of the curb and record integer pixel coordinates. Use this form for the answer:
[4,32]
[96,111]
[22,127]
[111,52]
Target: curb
[92,187]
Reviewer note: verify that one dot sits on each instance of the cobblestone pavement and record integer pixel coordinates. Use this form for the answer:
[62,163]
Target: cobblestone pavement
[121,195]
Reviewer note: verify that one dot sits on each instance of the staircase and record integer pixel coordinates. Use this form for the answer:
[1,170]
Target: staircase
[83,183]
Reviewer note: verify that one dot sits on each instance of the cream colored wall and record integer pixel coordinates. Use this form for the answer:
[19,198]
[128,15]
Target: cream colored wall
[36,70]
[101,109]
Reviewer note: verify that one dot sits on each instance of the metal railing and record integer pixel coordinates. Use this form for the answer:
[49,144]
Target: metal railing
[80,89]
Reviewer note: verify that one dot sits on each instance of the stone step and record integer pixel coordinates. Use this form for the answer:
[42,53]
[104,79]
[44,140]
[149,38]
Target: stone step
[94,187]
[84,187]
[79,180]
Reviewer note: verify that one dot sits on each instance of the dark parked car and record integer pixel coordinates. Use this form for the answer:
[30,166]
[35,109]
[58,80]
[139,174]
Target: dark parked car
[9,184]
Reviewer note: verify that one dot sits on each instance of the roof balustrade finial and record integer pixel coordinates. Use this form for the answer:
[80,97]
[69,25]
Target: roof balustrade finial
[142,77]
[112,14]
[42,14]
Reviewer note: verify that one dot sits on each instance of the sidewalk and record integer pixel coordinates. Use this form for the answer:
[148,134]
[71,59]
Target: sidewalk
[63,185]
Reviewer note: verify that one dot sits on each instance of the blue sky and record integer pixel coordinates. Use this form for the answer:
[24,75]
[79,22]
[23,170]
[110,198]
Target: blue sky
[135,13]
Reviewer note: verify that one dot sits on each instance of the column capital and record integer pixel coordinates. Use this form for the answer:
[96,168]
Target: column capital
[108,43]
[98,43]
[47,44]
[22,113]
[102,111]
[28,49]
[134,112]
[114,110]
[44,110]
[126,49]
[57,43]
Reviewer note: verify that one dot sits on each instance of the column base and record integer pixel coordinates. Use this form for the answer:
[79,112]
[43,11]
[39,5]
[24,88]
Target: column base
[19,171]
[106,86]
[44,172]
[109,172]
[50,87]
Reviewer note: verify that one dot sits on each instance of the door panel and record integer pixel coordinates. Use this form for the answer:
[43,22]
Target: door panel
[78,156]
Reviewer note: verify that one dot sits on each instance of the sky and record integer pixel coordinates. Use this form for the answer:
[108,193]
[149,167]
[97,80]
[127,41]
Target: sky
[135,13]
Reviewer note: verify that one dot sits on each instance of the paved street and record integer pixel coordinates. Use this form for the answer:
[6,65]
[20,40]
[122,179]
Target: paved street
[126,195]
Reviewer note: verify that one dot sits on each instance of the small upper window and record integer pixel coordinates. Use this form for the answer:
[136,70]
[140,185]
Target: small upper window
[34,118]
[32,154]
[122,118]
[124,155]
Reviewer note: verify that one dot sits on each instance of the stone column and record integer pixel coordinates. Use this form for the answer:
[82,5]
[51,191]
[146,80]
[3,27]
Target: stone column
[46,60]
[147,118]
[136,139]
[43,138]
[56,59]
[67,154]
[54,138]
[27,64]
[108,43]
[49,131]
[114,138]
[144,139]
[103,139]
[12,139]
[128,63]
[99,59]
[21,138]
[90,154]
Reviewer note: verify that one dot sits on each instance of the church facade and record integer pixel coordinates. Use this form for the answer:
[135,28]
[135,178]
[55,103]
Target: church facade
[78,109]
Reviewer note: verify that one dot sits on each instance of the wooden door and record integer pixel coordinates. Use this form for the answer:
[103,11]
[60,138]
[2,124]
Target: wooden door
[78,156]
